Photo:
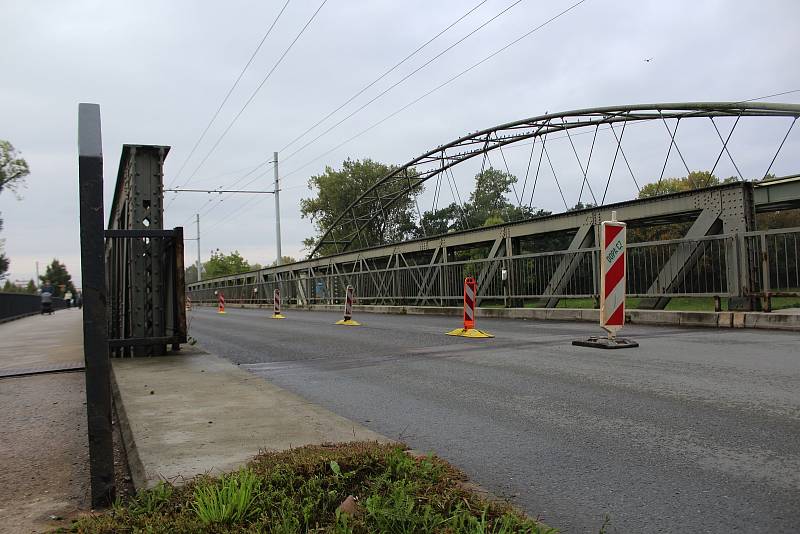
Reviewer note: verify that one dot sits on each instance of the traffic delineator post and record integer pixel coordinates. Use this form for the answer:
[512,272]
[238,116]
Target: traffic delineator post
[188,303]
[612,286]
[276,305]
[348,309]
[220,303]
[470,296]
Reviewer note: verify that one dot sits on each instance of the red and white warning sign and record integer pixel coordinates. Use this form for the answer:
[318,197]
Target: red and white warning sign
[612,269]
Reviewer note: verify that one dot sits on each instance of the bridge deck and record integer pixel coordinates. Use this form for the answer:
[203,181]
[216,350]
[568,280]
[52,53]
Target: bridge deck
[696,428]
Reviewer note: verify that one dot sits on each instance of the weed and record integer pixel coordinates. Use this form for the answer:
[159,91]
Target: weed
[228,501]
[150,501]
[300,490]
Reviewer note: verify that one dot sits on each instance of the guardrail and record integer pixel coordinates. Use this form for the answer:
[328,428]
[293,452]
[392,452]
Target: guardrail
[15,305]
[528,277]
[774,260]
[698,267]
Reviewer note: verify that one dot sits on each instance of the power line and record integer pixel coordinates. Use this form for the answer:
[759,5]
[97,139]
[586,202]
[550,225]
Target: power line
[258,88]
[403,79]
[227,96]
[443,84]
[227,196]
[382,76]
[366,87]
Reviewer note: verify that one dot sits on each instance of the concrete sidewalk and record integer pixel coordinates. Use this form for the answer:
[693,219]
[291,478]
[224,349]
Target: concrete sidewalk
[42,342]
[44,467]
[197,413]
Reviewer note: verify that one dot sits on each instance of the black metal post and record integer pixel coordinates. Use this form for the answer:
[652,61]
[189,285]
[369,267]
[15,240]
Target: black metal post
[95,345]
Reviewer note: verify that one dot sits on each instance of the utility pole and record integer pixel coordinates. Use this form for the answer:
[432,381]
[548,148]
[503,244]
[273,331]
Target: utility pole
[199,264]
[38,283]
[277,211]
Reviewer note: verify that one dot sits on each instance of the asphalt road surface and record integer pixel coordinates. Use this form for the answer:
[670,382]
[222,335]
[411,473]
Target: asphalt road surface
[697,430]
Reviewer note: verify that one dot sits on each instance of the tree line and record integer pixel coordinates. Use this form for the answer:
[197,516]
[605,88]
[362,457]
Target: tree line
[487,204]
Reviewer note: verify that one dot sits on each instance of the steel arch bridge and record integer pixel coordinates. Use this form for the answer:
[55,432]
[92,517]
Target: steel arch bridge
[347,231]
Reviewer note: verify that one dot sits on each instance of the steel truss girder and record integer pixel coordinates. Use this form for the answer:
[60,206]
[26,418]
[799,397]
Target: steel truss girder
[144,263]
[348,227]
[661,209]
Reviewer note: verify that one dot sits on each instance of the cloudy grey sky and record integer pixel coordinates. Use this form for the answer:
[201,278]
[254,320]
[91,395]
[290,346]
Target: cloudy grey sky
[160,69]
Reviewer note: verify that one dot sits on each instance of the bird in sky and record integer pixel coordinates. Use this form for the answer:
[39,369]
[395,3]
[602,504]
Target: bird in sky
[648,59]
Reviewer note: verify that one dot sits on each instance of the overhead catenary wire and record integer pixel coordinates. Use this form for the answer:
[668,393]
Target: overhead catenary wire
[227,196]
[403,79]
[438,87]
[256,91]
[228,95]
[385,73]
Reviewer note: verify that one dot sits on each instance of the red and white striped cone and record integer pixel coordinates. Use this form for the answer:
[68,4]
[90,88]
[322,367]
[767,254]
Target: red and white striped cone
[470,297]
[276,305]
[220,303]
[348,309]
[612,286]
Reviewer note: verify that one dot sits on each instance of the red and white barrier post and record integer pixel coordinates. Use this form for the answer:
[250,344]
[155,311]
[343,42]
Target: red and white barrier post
[470,298]
[276,305]
[613,242]
[220,303]
[348,309]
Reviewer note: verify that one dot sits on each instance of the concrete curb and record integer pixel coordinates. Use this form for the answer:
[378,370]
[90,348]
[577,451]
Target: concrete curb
[128,443]
[725,319]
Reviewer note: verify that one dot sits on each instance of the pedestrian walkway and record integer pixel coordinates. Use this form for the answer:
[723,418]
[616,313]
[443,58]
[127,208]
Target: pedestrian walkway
[42,343]
[44,460]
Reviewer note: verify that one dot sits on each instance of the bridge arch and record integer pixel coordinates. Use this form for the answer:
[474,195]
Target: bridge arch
[346,231]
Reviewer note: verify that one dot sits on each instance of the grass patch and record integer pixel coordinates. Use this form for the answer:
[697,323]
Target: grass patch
[301,490]
[779,303]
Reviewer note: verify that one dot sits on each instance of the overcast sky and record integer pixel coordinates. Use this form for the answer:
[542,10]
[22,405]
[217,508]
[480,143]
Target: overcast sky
[160,69]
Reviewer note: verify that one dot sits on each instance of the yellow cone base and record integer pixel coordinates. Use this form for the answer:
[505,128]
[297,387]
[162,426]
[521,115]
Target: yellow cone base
[221,312]
[348,322]
[278,316]
[469,332]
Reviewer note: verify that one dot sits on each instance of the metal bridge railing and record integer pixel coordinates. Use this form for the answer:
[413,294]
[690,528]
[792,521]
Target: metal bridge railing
[696,267]
[774,260]
[660,269]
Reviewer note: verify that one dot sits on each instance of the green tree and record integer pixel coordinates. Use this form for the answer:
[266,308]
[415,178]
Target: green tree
[58,276]
[13,170]
[694,180]
[8,287]
[31,287]
[4,262]
[487,205]
[190,274]
[222,265]
[581,206]
[337,189]
[284,260]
